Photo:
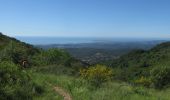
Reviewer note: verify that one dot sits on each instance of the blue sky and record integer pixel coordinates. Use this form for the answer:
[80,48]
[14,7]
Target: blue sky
[86,18]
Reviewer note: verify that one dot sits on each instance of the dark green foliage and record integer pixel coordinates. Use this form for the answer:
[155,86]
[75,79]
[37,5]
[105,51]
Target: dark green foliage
[16,84]
[138,63]
[15,51]
[56,56]
[134,67]
[143,81]
[59,61]
[38,90]
[161,46]
[56,61]
[51,56]
[160,77]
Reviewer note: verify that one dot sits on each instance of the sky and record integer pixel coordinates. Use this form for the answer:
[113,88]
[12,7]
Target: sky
[86,18]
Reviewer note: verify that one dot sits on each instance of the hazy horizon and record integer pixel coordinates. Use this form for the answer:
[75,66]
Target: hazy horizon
[78,40]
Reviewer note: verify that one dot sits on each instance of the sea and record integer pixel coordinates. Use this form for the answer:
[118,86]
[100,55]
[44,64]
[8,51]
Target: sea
[78,40]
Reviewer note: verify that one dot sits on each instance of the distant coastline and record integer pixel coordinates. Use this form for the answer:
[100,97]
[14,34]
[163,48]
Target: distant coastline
[80,40]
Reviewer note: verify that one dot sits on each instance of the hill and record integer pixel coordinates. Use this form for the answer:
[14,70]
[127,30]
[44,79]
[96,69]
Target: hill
[156,56]
[140,74]
[19,59]
[15,50]
[140,63]
[15,82]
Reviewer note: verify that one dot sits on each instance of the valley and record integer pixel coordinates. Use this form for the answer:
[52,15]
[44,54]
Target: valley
[93,53]
[85,50]
[54,73]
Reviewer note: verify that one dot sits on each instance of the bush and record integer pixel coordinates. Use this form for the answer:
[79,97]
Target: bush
[143,81]
[160,77]
[97,75]
[15,84]
[51,56]
[140,91]
[17,52]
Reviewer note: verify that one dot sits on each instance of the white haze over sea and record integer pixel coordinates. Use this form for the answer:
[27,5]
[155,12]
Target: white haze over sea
[78,40]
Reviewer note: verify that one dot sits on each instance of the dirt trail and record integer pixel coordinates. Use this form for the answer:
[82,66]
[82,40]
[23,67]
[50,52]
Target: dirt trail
[63,93]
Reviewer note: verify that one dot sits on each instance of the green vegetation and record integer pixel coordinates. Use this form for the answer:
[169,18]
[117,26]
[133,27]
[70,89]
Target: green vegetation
[51,56]
[28,73]
[15,51]
[97,75]
[81,89]
[161,77]
[16,84]
[140,66]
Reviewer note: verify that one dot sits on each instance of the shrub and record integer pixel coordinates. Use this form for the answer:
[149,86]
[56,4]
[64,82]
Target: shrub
[143,81]
[51,56]
[17,52]
[97,75]
[140,91]
[160,77]
[15,84]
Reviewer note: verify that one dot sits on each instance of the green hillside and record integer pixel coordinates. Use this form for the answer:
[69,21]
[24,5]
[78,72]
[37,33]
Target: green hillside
[15,50]
[29,73]
[15,82]
[18,60]
[140,63]
[158,55]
